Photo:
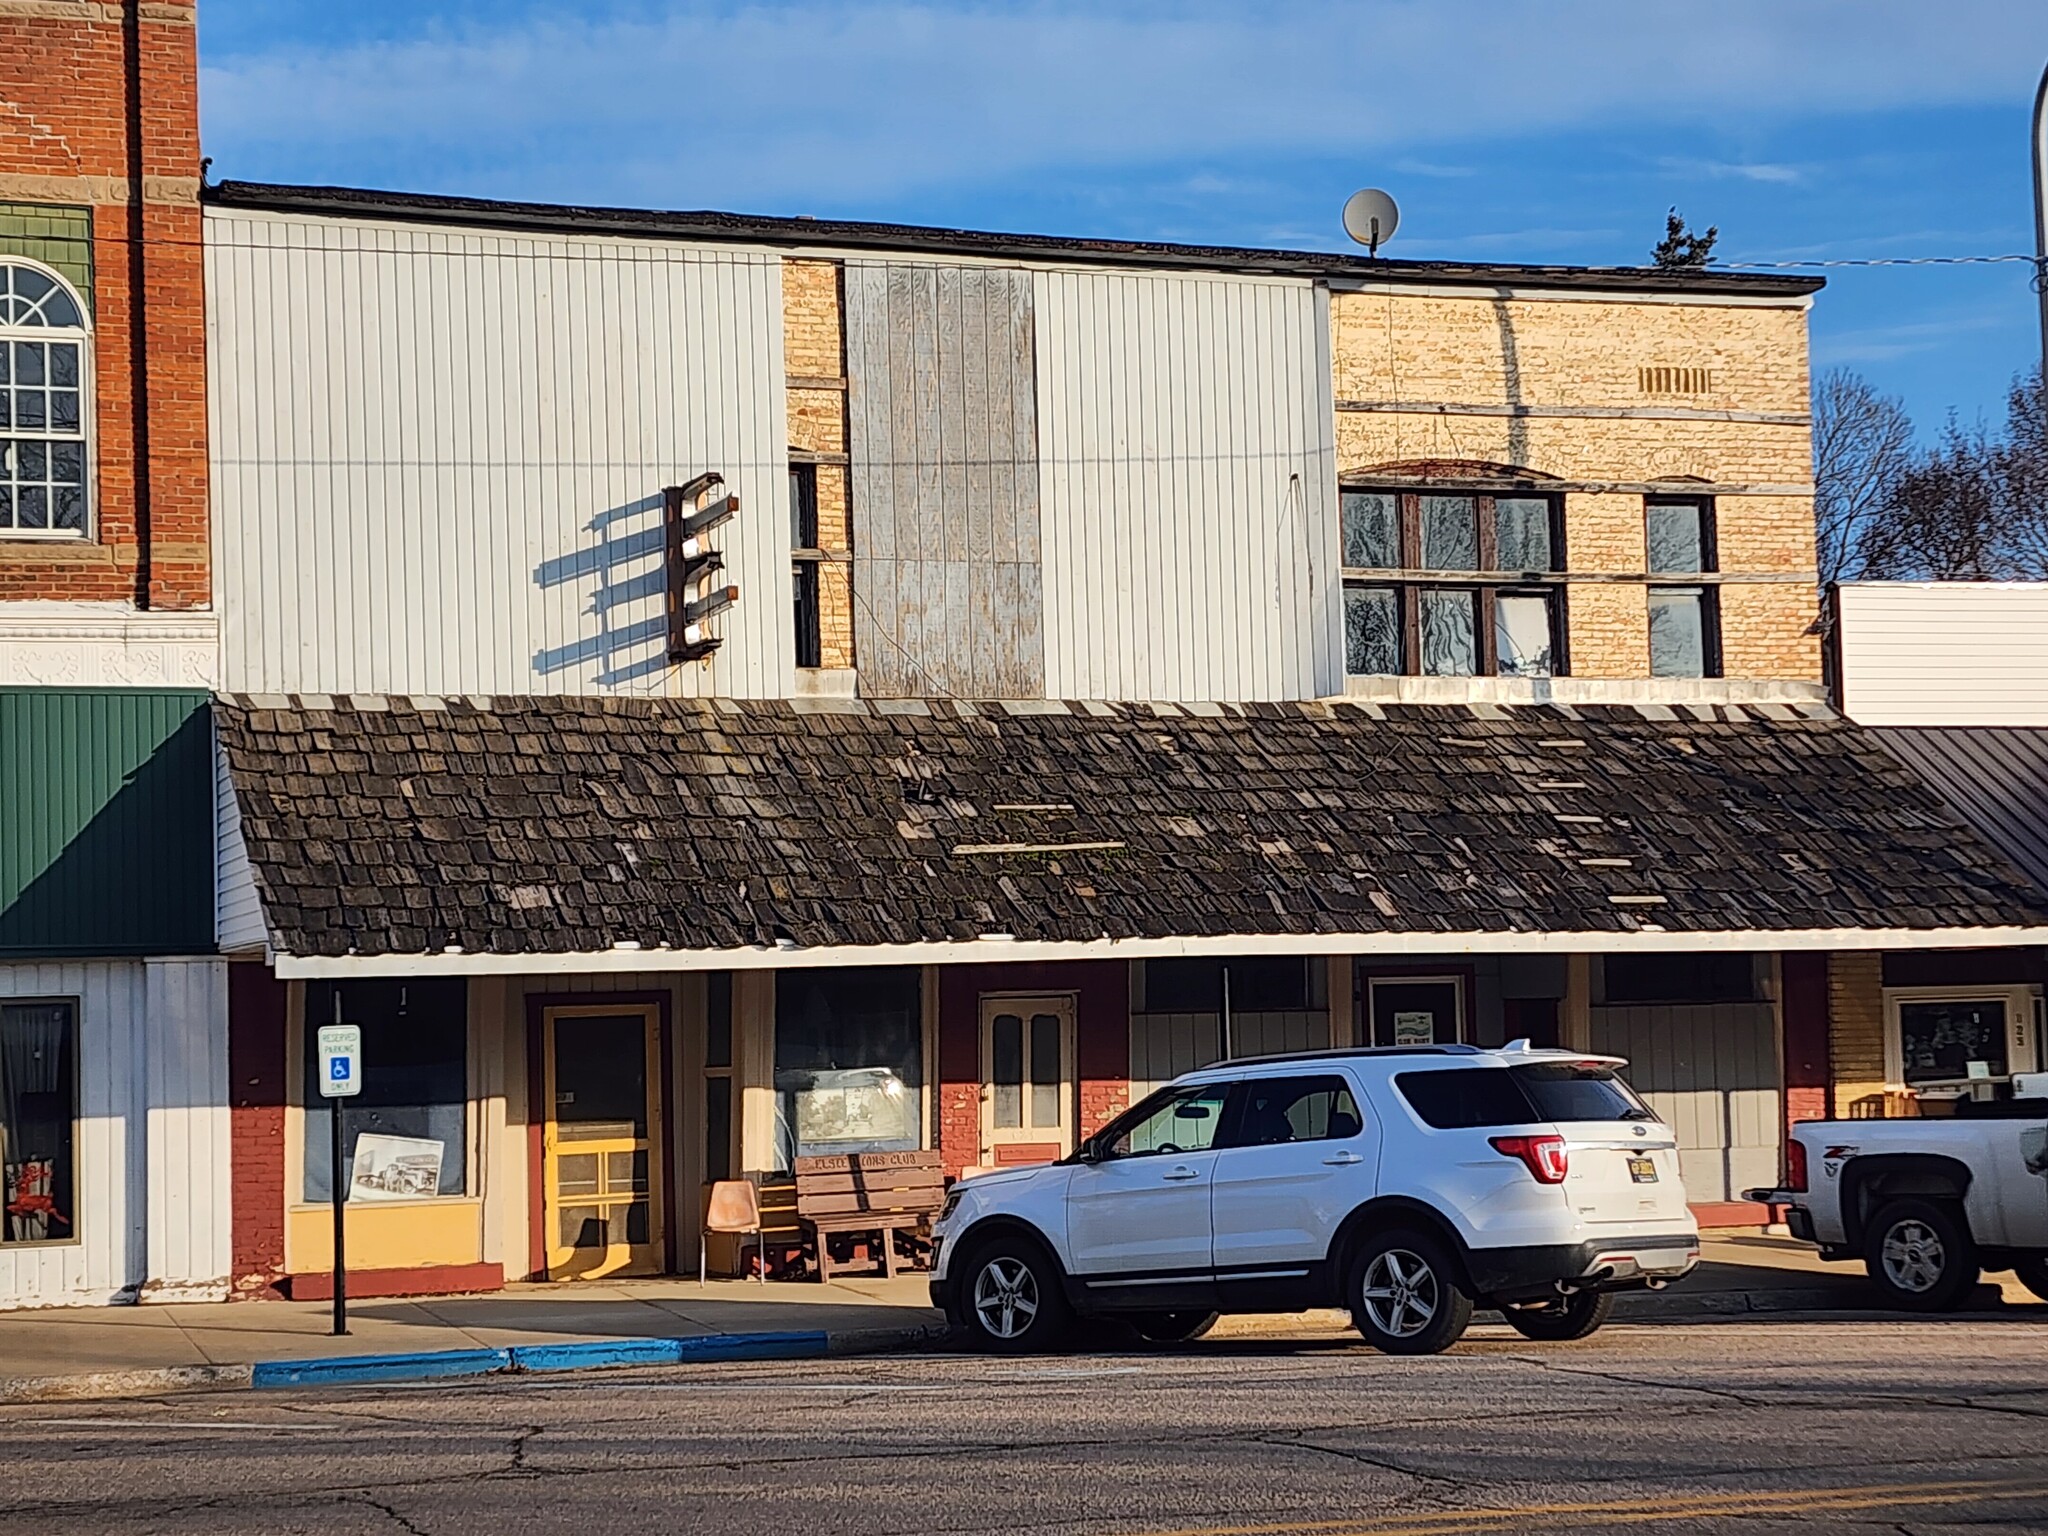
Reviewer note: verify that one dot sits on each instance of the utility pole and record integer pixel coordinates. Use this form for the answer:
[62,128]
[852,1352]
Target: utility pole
[2041,214]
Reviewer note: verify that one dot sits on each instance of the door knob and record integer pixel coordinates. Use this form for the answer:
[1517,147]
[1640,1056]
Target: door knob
[1182,1172]
[1343,1159]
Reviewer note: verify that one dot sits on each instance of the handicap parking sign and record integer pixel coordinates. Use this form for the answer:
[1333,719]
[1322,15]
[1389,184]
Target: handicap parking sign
[340,1047]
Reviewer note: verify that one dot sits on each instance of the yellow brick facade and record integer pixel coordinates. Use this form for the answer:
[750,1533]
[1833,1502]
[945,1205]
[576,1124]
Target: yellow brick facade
[814,358]
[1856,1032]
[1609,355]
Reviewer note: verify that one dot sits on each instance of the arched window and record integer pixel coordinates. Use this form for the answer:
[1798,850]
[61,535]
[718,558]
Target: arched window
[45,373]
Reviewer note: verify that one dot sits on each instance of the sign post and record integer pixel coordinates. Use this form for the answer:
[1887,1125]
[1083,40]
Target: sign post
[340,1048]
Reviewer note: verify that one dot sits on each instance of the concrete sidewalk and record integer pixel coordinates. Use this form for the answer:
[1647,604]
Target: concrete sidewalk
[1743,1272]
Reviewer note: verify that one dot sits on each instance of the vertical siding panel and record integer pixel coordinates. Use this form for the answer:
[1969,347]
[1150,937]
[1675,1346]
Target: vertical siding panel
[442,429]
[1187,405]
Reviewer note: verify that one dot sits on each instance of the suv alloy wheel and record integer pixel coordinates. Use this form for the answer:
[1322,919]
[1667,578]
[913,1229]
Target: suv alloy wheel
[1015,1303]
[1406,1295]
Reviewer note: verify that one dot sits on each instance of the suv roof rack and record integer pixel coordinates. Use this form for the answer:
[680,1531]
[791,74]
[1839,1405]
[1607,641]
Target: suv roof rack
[1344,1052]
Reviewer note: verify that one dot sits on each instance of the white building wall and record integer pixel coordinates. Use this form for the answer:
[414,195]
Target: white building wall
[1187,465]
[152,1139]
[1945,653]
[438,456]
[185,1050]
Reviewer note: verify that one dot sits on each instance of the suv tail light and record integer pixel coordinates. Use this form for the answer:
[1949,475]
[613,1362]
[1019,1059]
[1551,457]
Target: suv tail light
[1795,1166]
[1545,1156]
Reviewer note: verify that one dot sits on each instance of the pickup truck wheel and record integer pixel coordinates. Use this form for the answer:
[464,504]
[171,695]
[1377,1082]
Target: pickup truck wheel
[1406,1295]
[1172,1327]
[2032,1271]
[1013,1298]
[1920,1255]
[1559,1322]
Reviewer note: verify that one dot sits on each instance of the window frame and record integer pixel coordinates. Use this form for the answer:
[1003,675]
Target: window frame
[1488,582]
[74,1039]
[87,435]
[2023,1025]
[302,1032]
[1700,585]
[807,560]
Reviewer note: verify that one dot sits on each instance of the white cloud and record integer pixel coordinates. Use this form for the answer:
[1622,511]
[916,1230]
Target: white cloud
[757,105]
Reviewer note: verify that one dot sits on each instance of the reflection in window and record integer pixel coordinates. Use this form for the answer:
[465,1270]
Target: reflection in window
[1679,635]
[1186,1121]
[1372,535]
[1279,1110]
[849,1061]
[1372,631]
[1941,1040]
[1675,535]
[1521,534]
[38,1122]
[1450,639]
[1450,533]
[1522,634]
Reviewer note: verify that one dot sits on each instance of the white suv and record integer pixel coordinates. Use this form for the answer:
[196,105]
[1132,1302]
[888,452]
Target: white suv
[1409,1185]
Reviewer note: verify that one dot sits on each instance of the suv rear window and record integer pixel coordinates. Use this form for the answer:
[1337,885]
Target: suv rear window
[1565,1091]
[1465,1098]
[1472,1098]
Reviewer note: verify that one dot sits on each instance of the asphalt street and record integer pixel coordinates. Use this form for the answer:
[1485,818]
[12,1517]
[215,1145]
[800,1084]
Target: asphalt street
[1807,1424]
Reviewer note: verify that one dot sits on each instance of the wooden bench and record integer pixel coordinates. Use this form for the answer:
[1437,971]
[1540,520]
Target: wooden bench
[882,1193]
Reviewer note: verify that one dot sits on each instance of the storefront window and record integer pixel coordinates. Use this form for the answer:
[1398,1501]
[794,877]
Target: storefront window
[38,1121]
[1952,1039]
[406,1136]
[849,1062]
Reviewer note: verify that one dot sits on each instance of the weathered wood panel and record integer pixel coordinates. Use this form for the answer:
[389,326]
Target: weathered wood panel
[1712,1071]
[438,456]
[939,363]
[1187,455]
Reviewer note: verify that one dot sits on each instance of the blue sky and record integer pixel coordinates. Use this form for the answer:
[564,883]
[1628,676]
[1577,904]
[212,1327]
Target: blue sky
[1510,130]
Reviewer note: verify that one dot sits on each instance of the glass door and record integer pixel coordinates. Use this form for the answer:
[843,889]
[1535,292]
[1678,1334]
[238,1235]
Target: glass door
[1028,1093]
[600,1148]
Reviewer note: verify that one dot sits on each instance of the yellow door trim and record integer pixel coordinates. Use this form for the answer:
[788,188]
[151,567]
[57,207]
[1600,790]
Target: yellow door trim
[567,1262]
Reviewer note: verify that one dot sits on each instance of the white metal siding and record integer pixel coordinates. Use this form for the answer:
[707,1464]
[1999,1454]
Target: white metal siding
[152,1188]
[438,456]
[1187,465]
[1945,653]
[190,1208]
[1711,1070]
[237,909]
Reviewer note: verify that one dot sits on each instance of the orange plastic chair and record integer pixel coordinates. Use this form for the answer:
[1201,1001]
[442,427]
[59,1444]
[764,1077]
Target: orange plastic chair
[732,1205]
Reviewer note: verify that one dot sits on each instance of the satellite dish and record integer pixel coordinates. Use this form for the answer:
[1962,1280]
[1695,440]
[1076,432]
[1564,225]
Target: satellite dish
[1371,218]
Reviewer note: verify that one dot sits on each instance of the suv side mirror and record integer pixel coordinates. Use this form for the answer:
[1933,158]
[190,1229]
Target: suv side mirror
[1089,1151]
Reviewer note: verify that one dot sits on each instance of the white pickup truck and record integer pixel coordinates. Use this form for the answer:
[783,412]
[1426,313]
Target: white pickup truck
[1927,1204]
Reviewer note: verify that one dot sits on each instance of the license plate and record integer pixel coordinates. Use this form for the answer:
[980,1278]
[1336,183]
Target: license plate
[1643,1170]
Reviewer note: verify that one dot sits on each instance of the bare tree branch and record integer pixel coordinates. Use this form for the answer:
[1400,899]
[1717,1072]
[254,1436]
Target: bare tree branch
[1862,446]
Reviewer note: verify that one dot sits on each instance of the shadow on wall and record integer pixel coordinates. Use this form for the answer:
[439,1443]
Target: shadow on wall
[135,875]
[624,564]
[1511,367]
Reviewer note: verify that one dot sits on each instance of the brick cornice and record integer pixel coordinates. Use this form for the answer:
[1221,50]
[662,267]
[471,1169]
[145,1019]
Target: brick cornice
[100,190]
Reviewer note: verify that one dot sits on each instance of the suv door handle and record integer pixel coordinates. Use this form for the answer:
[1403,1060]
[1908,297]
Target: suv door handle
[1343,1159]
[1181,1171]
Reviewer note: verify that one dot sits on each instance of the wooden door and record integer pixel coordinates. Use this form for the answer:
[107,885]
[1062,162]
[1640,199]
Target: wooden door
[1029,1096]
[603,1204]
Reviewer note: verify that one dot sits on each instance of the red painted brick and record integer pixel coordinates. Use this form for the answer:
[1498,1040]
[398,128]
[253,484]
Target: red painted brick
[256,1100]
[64,115]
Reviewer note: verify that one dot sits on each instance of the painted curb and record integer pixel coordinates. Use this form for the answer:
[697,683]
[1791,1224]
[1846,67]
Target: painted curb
[142,1383]
[706,1348]
[352,1370]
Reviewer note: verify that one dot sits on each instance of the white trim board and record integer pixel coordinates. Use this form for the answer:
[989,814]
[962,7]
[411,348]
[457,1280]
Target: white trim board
[990,951]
